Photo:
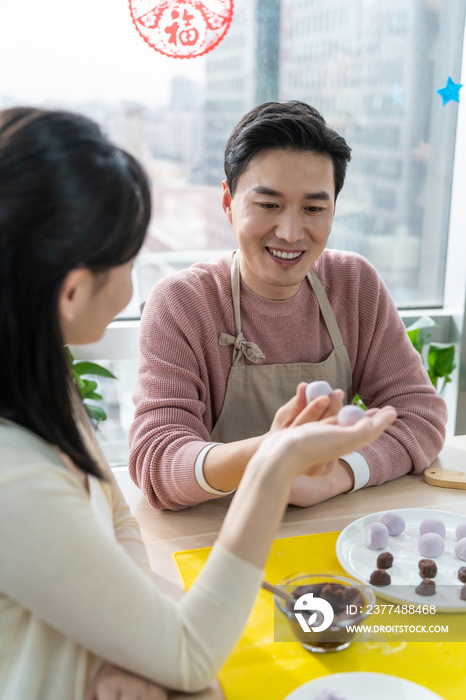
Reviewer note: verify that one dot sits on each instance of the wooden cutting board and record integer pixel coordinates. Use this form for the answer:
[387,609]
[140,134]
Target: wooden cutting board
[447,478]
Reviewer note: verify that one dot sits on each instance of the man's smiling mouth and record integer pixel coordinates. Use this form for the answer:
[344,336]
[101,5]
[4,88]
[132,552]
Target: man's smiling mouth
[285,255]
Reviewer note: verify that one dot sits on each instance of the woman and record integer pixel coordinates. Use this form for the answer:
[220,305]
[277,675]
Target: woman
[75,585]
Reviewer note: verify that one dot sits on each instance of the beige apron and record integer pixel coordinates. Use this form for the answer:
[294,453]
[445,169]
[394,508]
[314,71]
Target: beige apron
[255,392]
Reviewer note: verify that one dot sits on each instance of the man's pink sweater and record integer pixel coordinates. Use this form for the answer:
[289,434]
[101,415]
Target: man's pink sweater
[183,371]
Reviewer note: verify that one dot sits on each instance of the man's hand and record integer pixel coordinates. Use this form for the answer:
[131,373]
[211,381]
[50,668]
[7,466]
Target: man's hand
[224,464]
[112,683]
[332,478]
[324,481]
[297,411]
[329,479]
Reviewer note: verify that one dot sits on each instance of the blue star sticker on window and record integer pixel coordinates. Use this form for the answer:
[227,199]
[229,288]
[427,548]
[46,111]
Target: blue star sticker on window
[450,91]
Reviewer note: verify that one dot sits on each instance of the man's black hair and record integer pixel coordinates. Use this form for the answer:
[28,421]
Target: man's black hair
[295,125]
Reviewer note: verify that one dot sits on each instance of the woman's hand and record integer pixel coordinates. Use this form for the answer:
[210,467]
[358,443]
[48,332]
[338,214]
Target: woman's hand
[309,447]
[297,411]
[283,455]
[112,683]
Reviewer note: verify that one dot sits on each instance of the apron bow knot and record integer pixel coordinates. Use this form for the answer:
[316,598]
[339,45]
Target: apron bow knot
[251,351]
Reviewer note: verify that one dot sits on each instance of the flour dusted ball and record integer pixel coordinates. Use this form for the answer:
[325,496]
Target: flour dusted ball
[432,525]
[460,549]
[394,523]
[376,536]
[349,415]
[461,531]
[431,545]
[315,389]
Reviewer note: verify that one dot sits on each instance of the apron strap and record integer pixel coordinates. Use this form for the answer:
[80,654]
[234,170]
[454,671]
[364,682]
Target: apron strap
[325,309]
[242,347]
[235,291]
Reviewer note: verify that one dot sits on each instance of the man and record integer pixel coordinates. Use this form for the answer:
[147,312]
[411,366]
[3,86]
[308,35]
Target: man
[224,344]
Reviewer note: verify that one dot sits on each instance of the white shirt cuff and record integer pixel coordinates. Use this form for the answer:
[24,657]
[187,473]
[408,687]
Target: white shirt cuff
[199,471]
[360,469]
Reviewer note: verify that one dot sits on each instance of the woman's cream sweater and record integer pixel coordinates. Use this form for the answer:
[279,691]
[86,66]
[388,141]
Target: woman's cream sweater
[76,589]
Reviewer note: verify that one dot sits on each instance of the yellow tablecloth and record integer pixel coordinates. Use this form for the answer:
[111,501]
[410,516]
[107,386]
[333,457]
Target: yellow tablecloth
[260,668]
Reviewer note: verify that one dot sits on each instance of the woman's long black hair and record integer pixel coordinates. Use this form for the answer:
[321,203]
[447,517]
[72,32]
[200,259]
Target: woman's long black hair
[68,198]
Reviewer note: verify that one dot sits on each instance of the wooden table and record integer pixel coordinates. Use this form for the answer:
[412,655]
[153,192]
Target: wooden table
[166,532]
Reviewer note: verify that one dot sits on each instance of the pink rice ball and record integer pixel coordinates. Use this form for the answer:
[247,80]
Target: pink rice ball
[432,525]
[376,536]
[394,523]
[431,545]
[349,415]
[315,389]
[461,531]
[460,549]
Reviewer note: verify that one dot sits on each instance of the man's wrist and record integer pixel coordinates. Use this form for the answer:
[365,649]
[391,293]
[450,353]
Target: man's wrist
[343,476]
[224,464]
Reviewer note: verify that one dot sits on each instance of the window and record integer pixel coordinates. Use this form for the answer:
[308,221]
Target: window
[372,68]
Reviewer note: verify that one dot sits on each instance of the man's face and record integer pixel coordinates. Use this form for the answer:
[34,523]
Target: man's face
[284,203]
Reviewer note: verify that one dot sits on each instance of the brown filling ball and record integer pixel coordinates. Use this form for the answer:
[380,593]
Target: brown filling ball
[462,574]
[427,568]
[426,587]
[385,560]
[379,577]
[463,593]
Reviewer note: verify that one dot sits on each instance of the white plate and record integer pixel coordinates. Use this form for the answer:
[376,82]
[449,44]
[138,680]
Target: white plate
[364,686]
[359,561]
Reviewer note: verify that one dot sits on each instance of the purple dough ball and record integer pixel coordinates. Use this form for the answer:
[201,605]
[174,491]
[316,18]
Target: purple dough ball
[460,549]
[376,536]
[432,525]
[394,523]
[431,545]
[349,415]
[315,389]
[461,531]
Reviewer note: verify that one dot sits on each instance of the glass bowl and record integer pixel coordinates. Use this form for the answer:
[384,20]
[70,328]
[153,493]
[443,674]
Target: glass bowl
[348,597]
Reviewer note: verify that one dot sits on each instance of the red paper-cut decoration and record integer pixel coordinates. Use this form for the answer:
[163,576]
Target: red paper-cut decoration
[182,28]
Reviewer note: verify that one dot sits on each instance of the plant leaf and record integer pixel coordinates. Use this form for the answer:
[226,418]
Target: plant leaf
[357,402]
[79,382]
[413,335]
[441,359]
[94,396]
[95,412]
[417,338]
[83,367]
[88,388]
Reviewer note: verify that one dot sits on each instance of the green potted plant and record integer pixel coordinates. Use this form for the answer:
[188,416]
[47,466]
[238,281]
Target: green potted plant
[87,387]
[440,356]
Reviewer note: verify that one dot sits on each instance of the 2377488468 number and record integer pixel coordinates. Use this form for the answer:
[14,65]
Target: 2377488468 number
[401,609]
